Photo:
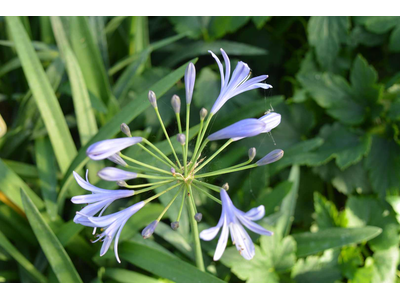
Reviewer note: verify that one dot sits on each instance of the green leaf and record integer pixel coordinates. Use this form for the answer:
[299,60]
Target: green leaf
[51,246]
[275,255]
[222,25]
[163,264]
[89,58]
[192,26]
[43,93]
[47,168]
[380,24]
[394,201]
[326,213]
[26,264]
[310,243]
[272,199]
[383,163]
[350,260]
[362,211]
[315,269]
[200,48]
[260,21]
[126,276]
[289,203]
[394,43]
[347,146]
[327,34]
[127,115]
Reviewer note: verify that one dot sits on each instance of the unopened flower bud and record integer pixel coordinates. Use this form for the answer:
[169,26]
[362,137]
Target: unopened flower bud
[173,171]
[252,153]
[271,157]
[175,225]
[190,77]
[203,113]
[226,186]
[115,174]
[198,217]
[152,99]
[149,230]
[181,138]
[176,104]
[125,130]
[122,183]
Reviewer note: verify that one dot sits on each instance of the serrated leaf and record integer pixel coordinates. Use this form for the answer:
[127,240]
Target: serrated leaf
[222,25]
[394,43]
[192,26]
[380,24]
[327,34]
[326,213]
[383,163]
[51,246]
[311,243]
[315,269]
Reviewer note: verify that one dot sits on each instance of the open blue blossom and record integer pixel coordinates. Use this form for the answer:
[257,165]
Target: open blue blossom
[233,219]
[271,157]
[115,174]
[238,83]
[112,225]
[105,149]
[190,78]
[271,121]
[241,129]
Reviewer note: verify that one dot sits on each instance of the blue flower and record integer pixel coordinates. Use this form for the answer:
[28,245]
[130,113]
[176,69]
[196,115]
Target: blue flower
[238,130]
[149,230]
[190,78]
[233,219]
[107,148]
[112,225]
[271,157]
[238,83]
[115,174]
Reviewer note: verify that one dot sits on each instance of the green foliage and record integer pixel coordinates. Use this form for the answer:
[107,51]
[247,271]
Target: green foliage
[333,200]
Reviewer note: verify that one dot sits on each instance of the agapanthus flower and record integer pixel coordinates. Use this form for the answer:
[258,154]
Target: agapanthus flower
[105,149]
[112,225]
[232,220]
[238,83]
[180,174]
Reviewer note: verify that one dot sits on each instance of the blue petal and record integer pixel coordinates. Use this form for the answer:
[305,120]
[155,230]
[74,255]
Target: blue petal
[104,149]
[241,129]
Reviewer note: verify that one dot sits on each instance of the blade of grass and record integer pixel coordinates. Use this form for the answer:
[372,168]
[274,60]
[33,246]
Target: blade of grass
[114,24]
[89,58]
[126,276]
[26,264]
[54,251]
[46,100]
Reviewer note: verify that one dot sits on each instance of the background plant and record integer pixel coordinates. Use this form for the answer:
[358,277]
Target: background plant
[332,200]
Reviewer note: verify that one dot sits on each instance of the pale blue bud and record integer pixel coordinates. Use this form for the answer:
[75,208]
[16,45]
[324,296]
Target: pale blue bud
[190,78]
[271,157]
[115,174]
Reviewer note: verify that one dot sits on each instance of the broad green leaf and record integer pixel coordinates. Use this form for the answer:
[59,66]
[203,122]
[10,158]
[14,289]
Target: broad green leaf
[315,269]
[347,146]
[47,169]
[42,91]
[394,201]
[379,24]
[127,276]
[222,25]
[289,203]
[26,264]
[163,264]
[363,210]
[383,163]
[359,35]
[327,34]
[326,213]
[394,44]
[89,58]
[310,243]
[350,260]
[201,48]
[275,255]
[51,246]
[194,27]
[260,21]
[272,199]
[127,115]
[22,169]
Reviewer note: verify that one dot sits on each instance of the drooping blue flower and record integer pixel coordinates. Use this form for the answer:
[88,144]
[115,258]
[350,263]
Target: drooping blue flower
[190,78]
[112,225]
[271,121]
[115,174]
[232,220]
[239,130]
[149,229]
[117,159]
[271,157]
[107,148]
[238,83]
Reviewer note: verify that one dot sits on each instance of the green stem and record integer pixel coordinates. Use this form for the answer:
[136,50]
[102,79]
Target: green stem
[169,204]
[213,156]
[199,140]
[181,208]
[159,194]
[225,171]
[187,137]
[213,187]
[148,184]
[194,158]
[144,165]
[167,136]
[178,119]
[149,188]
[154,155]
[195,231]
[207,194]
[159,152]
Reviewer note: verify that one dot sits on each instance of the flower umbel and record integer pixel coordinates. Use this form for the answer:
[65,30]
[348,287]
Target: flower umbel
[179,174]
